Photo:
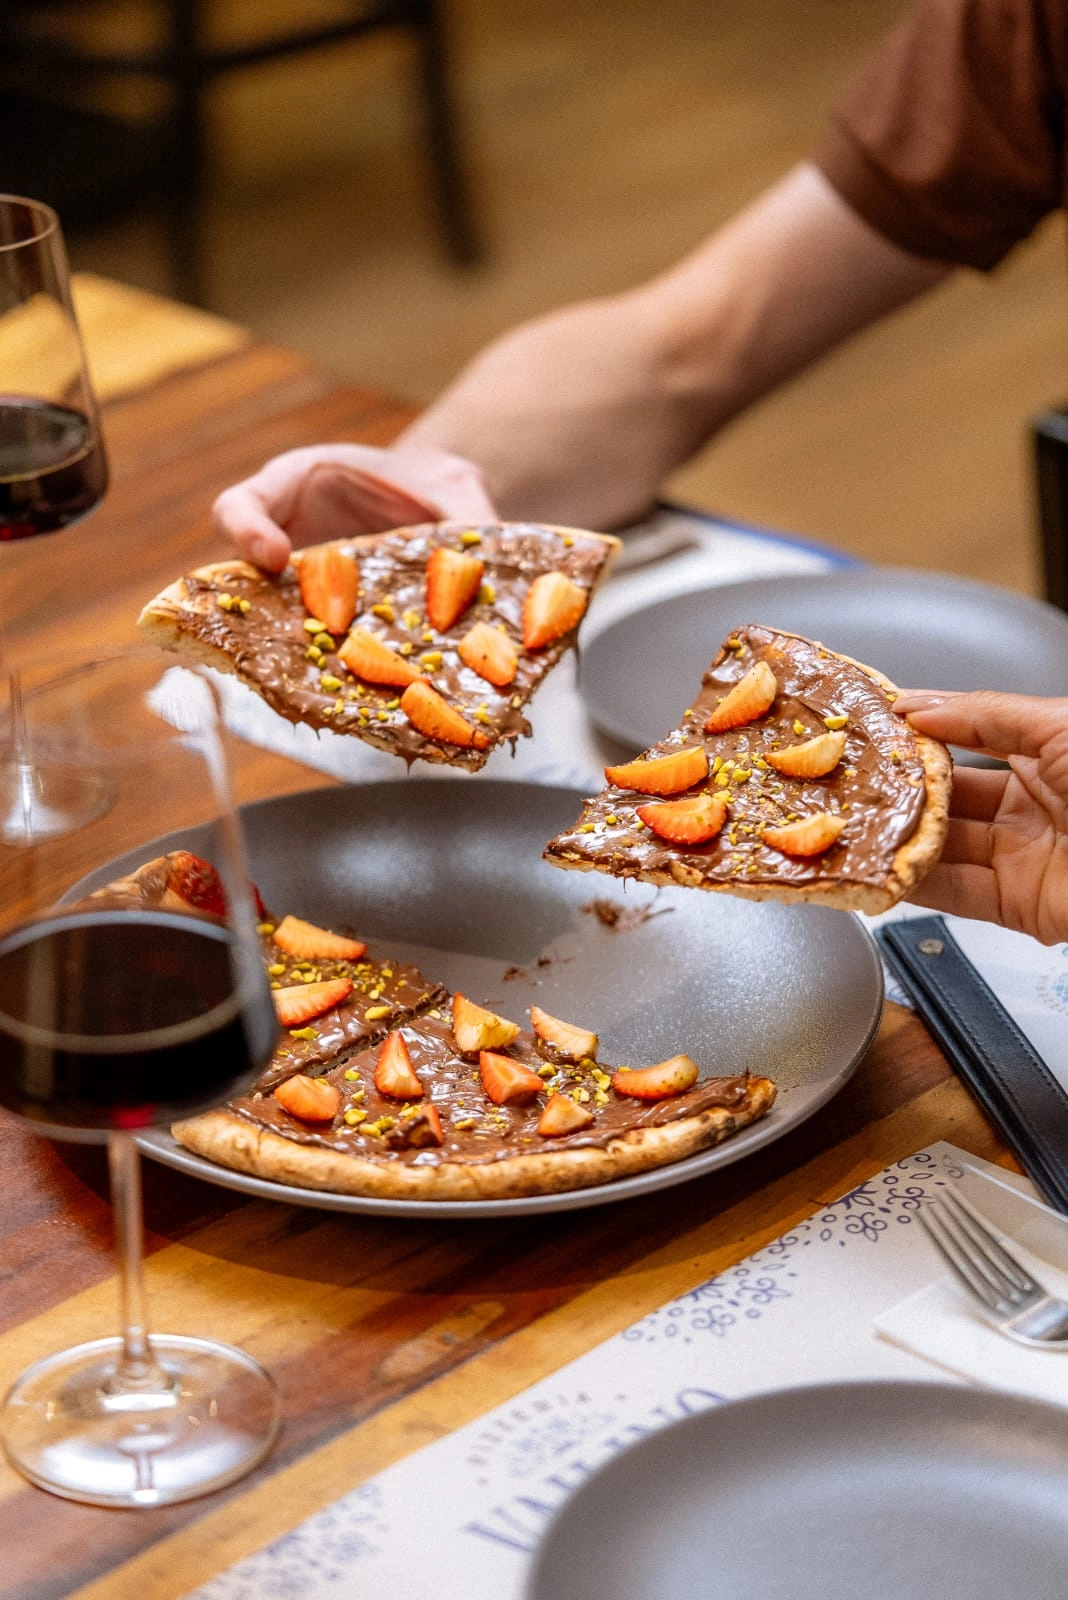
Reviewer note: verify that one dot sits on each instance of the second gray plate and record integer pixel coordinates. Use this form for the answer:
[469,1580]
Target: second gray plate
[923,630]
[852,1491]
[449,874]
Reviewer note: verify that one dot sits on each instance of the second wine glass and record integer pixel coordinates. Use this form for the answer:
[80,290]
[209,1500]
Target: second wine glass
[53,472]
[128,998]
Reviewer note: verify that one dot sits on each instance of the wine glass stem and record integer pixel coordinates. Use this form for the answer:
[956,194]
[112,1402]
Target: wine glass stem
[137,1371]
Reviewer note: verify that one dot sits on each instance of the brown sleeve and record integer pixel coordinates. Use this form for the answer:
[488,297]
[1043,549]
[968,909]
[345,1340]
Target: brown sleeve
[951,141]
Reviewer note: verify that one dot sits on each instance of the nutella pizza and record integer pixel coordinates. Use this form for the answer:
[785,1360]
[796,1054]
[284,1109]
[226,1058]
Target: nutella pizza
[384,1084]
[788,778]
[427,641]
[463,1104]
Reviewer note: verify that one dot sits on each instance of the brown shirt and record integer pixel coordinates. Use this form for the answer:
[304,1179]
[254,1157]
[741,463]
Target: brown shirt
[952,140]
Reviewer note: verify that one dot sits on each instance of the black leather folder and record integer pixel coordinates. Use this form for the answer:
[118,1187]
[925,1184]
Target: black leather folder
[988,1050]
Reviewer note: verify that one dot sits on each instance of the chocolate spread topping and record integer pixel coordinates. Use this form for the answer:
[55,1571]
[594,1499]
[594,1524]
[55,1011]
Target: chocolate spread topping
[475,1130]
[384,994]
[269,643]
[878,786]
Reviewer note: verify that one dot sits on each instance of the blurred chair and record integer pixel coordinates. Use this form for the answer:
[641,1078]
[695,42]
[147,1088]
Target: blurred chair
[57,144]
[1050,436]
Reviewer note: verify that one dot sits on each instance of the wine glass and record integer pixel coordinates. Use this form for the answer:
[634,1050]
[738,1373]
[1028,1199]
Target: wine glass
[127,1002]
[53,471]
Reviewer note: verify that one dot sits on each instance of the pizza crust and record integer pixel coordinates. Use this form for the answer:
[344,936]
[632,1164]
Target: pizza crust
[911,861]
[237,1143]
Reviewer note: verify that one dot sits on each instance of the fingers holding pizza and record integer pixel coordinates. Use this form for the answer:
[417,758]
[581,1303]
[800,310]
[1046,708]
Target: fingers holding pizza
[334,491]
[1005,857]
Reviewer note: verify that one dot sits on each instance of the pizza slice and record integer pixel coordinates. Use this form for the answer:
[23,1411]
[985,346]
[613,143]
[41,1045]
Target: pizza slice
[788,778]
[427,641]
[462,1104]
[330,994]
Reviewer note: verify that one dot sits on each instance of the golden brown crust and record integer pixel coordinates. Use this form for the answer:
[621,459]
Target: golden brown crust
[237,1143]
[911,862]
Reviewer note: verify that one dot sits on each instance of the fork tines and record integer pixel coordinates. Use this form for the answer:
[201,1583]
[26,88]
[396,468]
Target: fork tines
[970,1248]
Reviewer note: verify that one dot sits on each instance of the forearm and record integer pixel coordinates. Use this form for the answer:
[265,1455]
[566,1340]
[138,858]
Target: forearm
[579,416]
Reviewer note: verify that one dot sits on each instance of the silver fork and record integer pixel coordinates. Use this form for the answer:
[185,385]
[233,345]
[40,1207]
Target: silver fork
[1009,1296]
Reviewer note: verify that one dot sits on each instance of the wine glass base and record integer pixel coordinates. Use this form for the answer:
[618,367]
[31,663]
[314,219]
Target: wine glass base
[49,797]
[65,1431]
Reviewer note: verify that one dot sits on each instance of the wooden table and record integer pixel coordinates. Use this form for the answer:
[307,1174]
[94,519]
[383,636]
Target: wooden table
[383,1334]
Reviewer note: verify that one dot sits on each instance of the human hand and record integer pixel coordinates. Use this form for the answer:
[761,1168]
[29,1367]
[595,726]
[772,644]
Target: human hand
[331,491]
[1006,852]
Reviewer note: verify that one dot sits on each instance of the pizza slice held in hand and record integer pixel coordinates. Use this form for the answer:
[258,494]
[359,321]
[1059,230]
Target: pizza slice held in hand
[428,642]
[789,778]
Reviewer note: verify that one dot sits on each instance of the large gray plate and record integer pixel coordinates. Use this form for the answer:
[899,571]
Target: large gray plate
[873,1491]
[449,874]
[921,629]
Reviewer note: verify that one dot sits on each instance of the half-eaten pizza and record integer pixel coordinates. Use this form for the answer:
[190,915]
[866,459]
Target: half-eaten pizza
[427,641]
[384,1084]
[788,778]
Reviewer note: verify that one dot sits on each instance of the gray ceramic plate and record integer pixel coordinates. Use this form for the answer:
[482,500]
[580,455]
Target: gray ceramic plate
[448,874]
[867,1491]
[921,629]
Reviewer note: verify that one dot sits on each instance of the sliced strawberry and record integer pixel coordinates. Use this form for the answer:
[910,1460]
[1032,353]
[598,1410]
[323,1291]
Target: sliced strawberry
[452,582]
[567,1042]
[663,775]
[303,1001]
[562,1115]
[808,837]
[507,1082]
[553,605]
[751,697]
[692,820]
[489,652]
[196,882]
[310,1099]
[474,1028]
[308,943]
[812,759]
[375,661]
[395,1075]
[329,585]
[658,1082]
[433,716]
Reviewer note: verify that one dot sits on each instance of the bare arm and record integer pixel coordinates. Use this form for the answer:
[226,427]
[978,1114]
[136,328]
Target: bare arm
[578,416]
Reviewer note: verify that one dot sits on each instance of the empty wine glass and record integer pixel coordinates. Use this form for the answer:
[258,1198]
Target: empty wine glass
[53,471]
[128,999]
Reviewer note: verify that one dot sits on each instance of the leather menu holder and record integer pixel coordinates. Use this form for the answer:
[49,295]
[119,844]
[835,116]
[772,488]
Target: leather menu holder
[988,1051]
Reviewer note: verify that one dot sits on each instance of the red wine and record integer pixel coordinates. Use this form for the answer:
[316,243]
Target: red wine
[122,1019]
[52,467]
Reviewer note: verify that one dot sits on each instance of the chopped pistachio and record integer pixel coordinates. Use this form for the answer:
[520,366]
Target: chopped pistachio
[313,625]
[373,1013]
[328,682]
[304,1033]
[384,610]
[838,720]
[470,536]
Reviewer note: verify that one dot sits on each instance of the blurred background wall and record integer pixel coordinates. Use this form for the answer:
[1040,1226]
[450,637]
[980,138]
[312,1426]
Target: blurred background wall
[601,139]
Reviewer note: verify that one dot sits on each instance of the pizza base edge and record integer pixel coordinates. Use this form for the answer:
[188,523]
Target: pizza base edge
[240,1145]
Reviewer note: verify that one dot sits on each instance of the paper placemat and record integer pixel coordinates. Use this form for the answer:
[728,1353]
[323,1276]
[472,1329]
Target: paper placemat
[462,1516]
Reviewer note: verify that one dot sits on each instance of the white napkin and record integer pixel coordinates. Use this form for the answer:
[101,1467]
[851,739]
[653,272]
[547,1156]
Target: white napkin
[943,1325]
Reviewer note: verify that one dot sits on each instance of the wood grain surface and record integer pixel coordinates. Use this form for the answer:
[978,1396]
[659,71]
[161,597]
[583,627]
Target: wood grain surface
[382,1333]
